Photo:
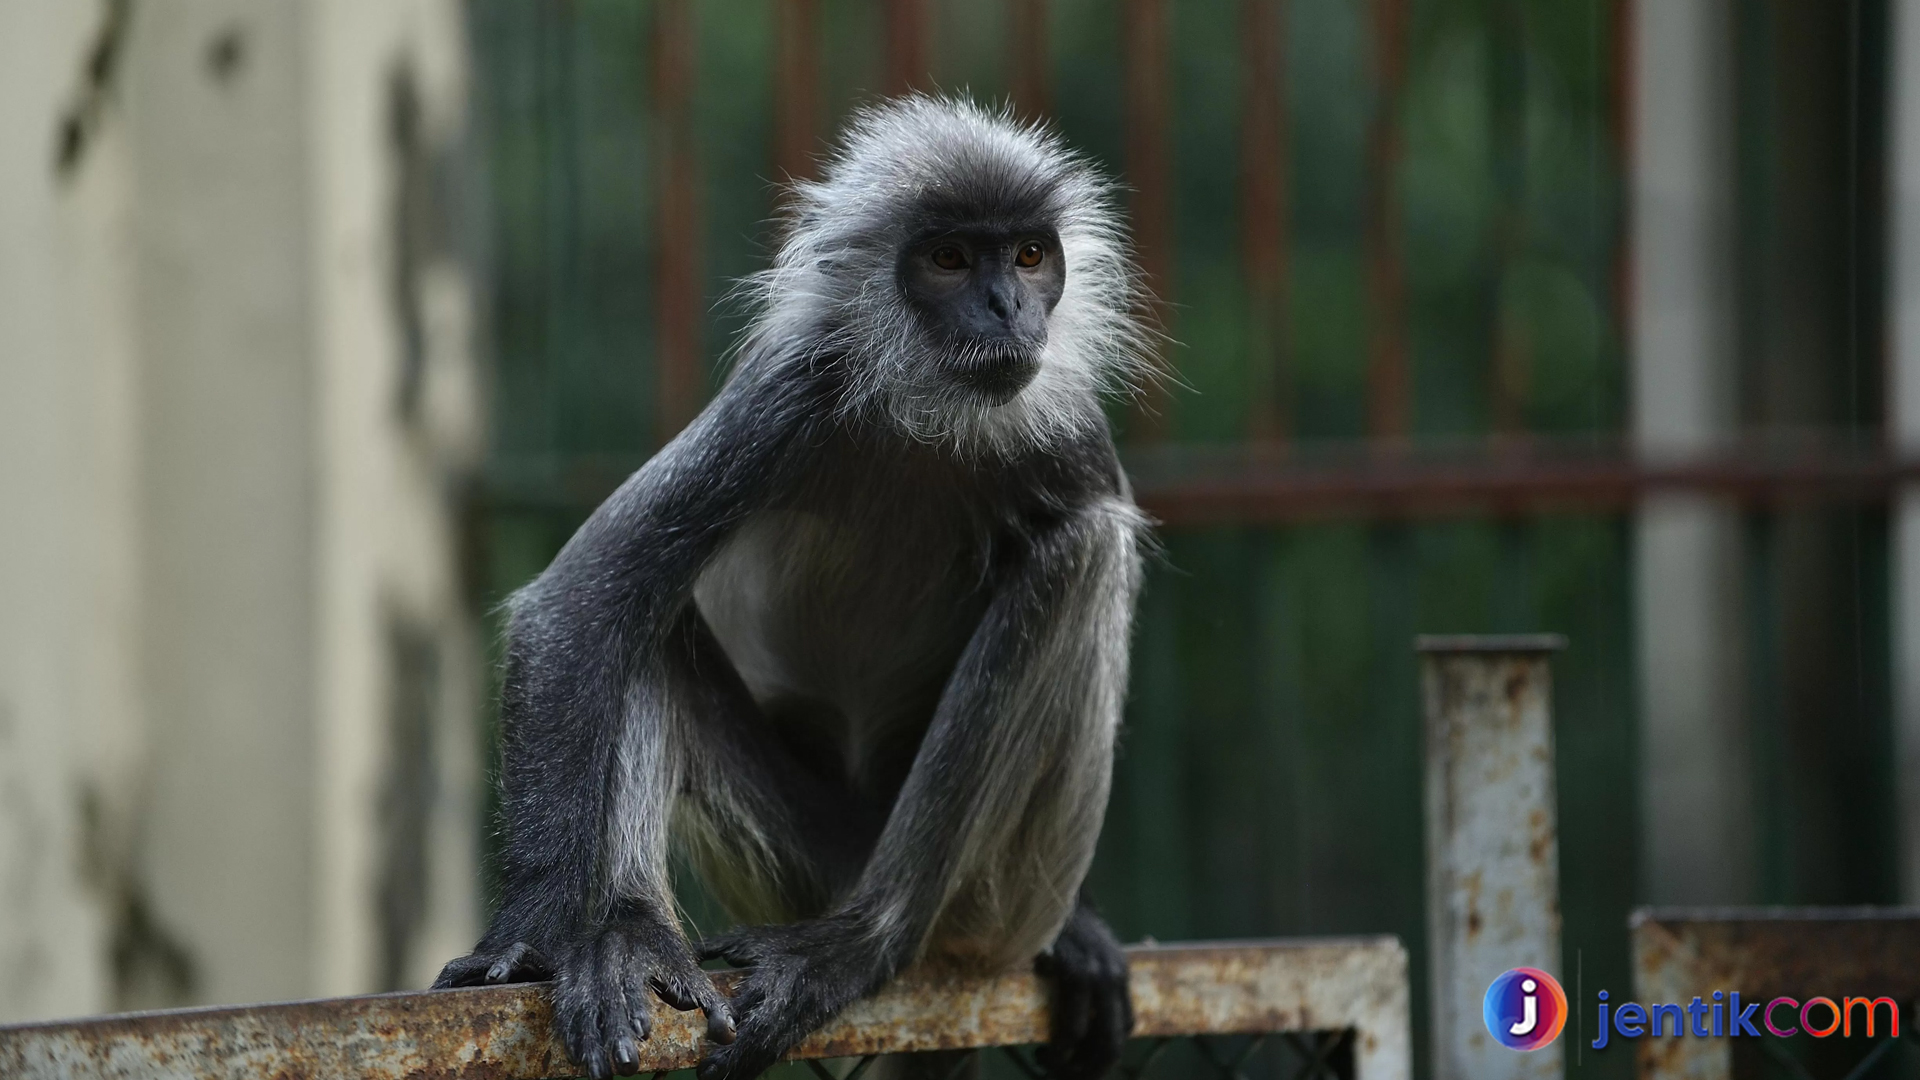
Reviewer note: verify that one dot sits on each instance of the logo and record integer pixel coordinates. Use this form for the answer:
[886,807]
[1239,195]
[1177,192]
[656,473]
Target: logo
[1525,1009]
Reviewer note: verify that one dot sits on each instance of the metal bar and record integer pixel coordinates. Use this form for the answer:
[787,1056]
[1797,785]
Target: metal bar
[1147,102]
[1263,214]
[680,376]
[1389,392]
[502,1033]
[1762,953]
[1278,490]
[1493,849]
[1030,85]
[1282,488]
[796,120]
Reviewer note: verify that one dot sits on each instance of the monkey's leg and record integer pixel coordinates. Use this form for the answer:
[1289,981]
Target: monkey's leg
[1001,807]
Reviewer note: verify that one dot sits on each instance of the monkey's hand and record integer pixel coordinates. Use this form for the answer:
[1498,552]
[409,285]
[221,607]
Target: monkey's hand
[800,975]
[1092,1008]
[600,1005]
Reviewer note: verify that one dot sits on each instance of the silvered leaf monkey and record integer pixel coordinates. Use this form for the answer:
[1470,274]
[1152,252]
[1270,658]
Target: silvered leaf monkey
[855,640]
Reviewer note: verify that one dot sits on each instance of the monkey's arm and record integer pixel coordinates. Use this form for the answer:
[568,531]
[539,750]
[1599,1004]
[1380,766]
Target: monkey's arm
[597,678]
[1009,781]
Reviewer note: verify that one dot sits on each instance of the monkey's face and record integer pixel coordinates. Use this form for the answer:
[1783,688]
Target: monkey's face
[985,296]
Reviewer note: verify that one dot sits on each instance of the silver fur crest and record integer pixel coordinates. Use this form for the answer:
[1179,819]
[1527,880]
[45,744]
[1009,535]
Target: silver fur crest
[833,284]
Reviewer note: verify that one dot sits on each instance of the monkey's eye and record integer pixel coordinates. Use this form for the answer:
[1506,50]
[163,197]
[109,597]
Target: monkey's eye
[949,257]
[1030,254]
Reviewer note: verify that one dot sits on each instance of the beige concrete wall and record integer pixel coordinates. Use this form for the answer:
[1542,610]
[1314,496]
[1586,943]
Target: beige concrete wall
[68,707]
[213,516]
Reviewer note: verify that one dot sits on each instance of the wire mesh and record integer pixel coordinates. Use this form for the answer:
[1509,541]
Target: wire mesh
[1318,1055]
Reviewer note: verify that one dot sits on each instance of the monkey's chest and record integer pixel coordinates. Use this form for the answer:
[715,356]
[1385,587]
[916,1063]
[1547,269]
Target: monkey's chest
[845,630]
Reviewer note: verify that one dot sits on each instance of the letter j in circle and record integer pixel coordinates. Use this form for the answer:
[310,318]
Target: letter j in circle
[1525,1009]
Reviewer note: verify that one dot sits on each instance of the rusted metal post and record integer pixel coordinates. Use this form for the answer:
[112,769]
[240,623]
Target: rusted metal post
[1264,161]
[681,374]
[796,108]
[503,1033]
[1030,86]
[1493,852]
[1149,176]
[1389,384]
[908,28]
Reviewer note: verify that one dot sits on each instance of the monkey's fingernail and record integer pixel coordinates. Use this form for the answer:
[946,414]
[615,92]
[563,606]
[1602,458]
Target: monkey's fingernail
[720,1025]
[626,1056]
[499,971]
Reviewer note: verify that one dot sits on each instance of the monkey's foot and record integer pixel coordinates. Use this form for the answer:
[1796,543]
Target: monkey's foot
[600,1006]
[518,962]
[1092,1009]
[800,975]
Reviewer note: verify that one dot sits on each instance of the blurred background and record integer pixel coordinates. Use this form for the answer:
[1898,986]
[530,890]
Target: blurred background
[322,326]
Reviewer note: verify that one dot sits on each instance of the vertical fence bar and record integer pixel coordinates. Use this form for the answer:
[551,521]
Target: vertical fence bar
[907,25]
[1263,213]
[797,75]
[1143,38]
[681,380]
[1389,409]
[1493,894]
[1903,422]
[1027,44]
[1510,365]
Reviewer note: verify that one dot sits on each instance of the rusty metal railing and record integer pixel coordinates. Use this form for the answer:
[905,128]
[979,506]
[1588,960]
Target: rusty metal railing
[1763,953]
[1339,1004]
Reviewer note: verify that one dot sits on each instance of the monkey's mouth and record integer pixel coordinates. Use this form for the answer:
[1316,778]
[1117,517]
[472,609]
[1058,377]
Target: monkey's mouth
[997,374]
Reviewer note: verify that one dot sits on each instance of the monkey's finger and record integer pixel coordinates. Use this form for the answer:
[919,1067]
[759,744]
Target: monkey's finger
[466,971]
[520,962]
[578,1017]
[720,1024]
[580,1005]
[696,991]
[616,1031]
[636,1012]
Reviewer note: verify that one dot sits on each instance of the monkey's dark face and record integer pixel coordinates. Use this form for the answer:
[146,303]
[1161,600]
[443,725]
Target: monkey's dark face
[987,295]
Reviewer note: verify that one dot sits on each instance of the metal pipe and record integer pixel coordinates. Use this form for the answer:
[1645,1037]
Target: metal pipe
[502,1033]
[1493,858]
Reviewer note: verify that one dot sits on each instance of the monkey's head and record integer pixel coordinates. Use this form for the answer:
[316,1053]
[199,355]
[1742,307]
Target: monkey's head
[984,287]
[968,271]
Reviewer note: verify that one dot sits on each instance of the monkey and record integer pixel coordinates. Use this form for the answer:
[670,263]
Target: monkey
[855,642]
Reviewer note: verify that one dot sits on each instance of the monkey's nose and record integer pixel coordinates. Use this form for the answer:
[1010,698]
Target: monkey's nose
[1002,302]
